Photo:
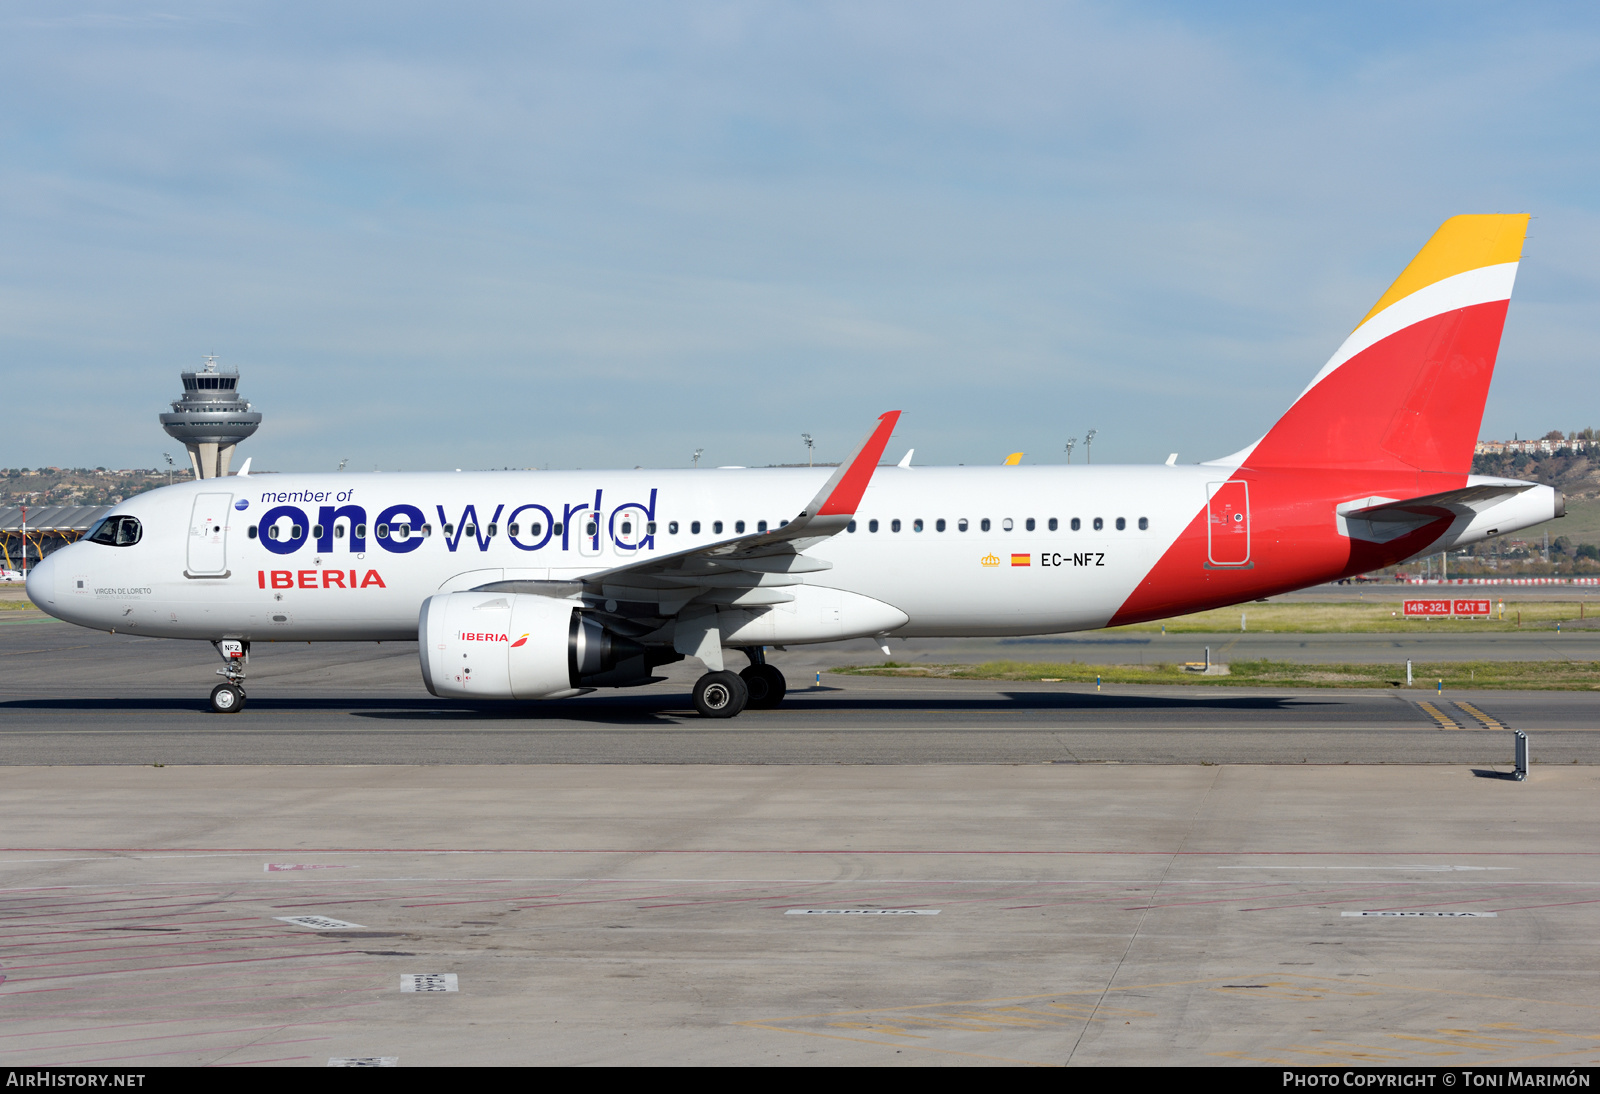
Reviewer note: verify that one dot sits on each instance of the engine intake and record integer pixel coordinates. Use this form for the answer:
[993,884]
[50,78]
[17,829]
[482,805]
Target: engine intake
[490,645]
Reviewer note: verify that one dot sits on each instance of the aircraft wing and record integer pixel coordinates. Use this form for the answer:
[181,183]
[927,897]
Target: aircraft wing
[744,571]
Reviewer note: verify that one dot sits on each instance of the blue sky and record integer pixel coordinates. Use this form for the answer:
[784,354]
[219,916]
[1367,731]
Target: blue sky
[480,235]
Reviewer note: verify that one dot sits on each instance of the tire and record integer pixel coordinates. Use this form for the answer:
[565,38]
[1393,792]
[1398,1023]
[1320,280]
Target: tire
[720,694]
[227,699]
[766,685]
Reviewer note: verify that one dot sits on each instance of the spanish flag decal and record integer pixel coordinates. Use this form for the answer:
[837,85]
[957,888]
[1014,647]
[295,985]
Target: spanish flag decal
[1021,560]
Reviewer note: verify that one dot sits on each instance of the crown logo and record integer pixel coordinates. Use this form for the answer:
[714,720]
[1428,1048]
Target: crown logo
[990,560]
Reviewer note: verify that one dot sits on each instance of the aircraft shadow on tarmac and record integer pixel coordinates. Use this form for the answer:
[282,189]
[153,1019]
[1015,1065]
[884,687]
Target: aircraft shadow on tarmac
[668,707]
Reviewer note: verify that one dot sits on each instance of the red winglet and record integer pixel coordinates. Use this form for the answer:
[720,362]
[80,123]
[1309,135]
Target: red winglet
[850,482]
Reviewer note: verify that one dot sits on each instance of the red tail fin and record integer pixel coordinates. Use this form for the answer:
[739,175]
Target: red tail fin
[1406,390]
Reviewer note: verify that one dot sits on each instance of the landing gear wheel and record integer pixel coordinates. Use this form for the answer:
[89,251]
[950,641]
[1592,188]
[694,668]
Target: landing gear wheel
[720,694]
[766,685]
[227,699]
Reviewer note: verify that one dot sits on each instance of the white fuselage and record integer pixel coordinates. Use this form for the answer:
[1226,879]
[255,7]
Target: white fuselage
[197,572]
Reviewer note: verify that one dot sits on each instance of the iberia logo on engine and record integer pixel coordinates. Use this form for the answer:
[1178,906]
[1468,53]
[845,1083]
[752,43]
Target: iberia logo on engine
[470,636]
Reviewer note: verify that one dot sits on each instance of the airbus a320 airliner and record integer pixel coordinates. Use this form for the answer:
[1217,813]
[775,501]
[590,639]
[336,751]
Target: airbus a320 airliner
[541,585]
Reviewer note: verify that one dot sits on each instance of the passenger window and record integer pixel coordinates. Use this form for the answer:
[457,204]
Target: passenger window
[338,531]
[894,525]
[851,527]
[716,527]
[383,531]
[513,529]
[427,530]
[272,532]
[449,529]
[1006,524]
[761,526]
[916,525]
[316,531]
[738,527]
[938,525]
[627,527]
[533,529]
[983,525]
[1076,524]
[1098,524]
[402,531]
[961,525]
[1054,524]
[872,525]
[1144,524]
[672,528]
[361,531]
[472,530]
[252,532]
[296,532]
[1122,524]
[1029,525]
[492,529]
[590,529]
[694,528]
[556,528]
[650,527]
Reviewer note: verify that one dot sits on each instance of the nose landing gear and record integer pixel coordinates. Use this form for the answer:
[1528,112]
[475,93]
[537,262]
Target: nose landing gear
[228,697]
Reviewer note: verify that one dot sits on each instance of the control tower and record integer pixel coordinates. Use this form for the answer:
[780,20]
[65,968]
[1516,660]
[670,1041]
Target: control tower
[210,419]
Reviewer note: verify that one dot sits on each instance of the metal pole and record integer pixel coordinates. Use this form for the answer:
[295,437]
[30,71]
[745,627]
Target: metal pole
[1520,755]
[1408,672]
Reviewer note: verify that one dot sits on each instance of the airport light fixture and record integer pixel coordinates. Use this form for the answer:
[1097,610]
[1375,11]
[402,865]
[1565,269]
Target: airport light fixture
[1070,442]
[697,453]
[1088,439]
[810,444]
[168,457]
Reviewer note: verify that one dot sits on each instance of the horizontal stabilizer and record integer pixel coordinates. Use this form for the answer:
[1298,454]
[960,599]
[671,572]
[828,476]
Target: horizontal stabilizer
[1432,506]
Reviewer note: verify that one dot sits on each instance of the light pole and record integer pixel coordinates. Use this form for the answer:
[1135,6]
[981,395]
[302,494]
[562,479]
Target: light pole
[24,543]
[1088,439]
[1070,442]
[809,445]
[343,462]
[697,456]
[168,457]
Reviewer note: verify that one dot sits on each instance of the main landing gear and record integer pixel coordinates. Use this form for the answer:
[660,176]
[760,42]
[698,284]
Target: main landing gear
[724,694]
[228,697]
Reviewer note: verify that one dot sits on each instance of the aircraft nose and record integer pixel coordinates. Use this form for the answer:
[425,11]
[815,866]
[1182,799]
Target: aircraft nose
[42,581]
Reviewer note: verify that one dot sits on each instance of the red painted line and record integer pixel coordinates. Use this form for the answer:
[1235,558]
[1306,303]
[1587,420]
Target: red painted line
[1527,907]
[140,946]
[184,1052]
[168,1021]
[190,965]
[199,1033]
[313,941]
[122,851]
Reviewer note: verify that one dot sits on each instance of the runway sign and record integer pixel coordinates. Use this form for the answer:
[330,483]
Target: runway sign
[1447,607]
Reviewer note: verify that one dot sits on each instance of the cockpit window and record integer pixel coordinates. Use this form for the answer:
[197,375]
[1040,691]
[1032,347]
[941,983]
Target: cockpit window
[117,532]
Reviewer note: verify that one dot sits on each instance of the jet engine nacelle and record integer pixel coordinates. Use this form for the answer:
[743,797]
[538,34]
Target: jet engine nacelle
[489,645]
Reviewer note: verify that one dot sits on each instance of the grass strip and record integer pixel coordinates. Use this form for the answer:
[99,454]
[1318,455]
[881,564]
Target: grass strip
[1517,675]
